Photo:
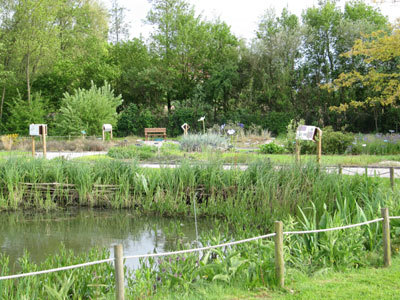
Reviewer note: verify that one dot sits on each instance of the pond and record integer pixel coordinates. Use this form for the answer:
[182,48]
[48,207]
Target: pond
[42,234]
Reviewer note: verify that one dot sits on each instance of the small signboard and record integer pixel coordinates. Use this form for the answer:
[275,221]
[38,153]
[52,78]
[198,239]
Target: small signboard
[37,129]
[107,127]
[306,133]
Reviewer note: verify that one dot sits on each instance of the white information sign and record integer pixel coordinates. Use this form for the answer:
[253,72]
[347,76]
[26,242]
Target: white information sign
[306,133]
[37,129]
[107,127]
[34,129]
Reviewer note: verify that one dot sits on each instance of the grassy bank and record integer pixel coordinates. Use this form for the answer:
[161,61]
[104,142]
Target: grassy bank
[364,283]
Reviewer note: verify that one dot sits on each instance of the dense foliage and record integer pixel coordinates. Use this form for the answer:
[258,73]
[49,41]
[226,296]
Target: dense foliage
[87,110]
[191,67]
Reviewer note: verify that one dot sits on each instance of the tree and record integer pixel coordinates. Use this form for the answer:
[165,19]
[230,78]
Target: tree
[119,28]
[179,45]
[88,110]
[328,33]
[276,52]
[381,53]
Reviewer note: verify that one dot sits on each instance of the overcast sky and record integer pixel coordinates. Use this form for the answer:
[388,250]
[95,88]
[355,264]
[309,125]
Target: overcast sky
[241,15]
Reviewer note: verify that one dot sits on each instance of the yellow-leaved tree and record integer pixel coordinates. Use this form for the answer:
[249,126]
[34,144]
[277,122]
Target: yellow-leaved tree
[380,51]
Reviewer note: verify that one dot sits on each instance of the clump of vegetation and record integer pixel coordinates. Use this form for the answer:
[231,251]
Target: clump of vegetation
[303,197]
[133,152]
[201,142]
[8,140]
[87,110]
[272,148]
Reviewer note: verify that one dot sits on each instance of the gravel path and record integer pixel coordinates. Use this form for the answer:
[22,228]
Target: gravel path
[383,171]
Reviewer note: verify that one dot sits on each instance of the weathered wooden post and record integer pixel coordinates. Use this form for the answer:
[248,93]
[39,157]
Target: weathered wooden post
[44,133]
[387,256]
[392,177]
[119,272]
[298,148]
[33,146]
[279,261]
[319,150]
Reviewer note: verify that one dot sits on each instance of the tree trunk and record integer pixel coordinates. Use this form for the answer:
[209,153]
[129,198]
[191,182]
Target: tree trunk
[376,119]
[28,84]
[169,103]
[3,95]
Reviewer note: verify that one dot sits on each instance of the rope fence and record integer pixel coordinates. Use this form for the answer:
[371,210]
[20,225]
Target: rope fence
[278,239]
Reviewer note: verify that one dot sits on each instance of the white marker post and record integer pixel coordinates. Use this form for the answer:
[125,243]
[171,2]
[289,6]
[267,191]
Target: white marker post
[107,128]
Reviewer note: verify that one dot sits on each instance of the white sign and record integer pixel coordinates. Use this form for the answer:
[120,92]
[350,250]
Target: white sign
[37,129]
[306,133]
[107,127]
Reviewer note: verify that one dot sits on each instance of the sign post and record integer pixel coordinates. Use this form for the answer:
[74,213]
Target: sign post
[38,130]
[107,128]
[309,133]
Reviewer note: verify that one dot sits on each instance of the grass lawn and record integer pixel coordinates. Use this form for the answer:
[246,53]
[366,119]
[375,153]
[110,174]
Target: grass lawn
[365,283]
[8,154]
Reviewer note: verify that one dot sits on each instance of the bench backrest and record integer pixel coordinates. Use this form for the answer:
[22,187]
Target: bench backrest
[152,130]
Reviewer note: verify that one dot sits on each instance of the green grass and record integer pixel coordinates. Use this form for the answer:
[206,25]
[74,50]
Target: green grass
[7,154]
[364,283]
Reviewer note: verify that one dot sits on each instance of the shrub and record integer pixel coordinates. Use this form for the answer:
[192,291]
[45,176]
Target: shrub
[133,152]
[183,115]
[199,142]
[22,114]
[277,122]
[87,110]
[133,120]
[335,142]
[272,148]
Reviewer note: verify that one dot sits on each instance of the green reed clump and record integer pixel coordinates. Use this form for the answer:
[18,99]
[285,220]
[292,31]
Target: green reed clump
[82,283]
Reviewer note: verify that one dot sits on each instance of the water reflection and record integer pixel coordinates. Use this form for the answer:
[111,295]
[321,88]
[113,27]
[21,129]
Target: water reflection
[42,234]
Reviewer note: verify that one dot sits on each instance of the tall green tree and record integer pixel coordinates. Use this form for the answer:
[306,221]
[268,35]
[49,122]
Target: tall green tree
[275,53]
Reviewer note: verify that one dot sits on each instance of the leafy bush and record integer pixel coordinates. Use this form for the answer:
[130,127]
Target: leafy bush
[87,110]
[136,152]
[335,142]
[277,122]
[272,148]
[133,120]
[181,115]
[198,142]
[23,114]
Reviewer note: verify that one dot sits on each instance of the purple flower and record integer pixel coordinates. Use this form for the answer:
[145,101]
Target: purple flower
[241,125]
[222,126]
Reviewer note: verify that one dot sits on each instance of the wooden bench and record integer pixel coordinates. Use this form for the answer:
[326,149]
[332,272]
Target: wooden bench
[155,132]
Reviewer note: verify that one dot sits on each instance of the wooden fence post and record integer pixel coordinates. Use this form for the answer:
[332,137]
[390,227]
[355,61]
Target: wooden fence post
[319,147]
[279,261]
[33,146]
[119,272]
[44,144]
[392,177]
[298,149]
[386,237]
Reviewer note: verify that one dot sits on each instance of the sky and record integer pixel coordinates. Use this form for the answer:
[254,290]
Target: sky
[242,15]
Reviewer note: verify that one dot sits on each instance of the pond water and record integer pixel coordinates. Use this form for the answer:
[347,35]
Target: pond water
[80,230]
